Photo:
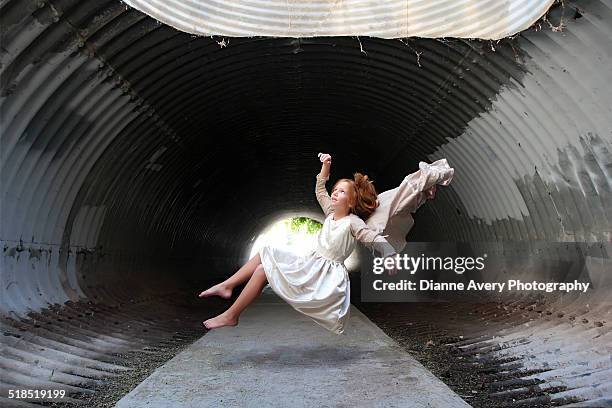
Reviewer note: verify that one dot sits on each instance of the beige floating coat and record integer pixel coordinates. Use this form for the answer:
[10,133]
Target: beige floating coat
[393,217]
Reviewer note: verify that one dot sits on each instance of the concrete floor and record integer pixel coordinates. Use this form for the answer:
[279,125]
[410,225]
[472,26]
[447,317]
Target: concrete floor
[277,357]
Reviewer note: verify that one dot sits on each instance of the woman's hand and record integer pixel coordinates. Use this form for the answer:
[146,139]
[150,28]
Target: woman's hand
[390,267]
[431,193]
[325,158]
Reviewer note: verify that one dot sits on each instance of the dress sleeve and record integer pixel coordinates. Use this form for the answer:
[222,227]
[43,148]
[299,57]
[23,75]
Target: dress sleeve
[323,196]
[370,238]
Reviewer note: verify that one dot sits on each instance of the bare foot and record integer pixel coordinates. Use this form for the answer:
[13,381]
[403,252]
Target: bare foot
[219,321]
[217,290]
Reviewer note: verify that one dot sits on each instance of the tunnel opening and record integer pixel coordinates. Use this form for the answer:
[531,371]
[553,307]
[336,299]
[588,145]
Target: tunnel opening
[296,234]
[138,162]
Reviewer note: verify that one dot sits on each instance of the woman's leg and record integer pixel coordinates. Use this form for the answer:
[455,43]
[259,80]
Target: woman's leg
[250,292]
[224,289]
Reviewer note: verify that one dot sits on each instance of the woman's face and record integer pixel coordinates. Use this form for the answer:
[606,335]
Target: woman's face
[341,196]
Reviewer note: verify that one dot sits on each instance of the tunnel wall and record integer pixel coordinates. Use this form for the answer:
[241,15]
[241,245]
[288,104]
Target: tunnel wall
[537,163]
[107,172]
[135,158]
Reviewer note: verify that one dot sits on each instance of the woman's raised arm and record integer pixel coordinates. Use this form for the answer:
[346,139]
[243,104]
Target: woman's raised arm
[320,192]
[325,167]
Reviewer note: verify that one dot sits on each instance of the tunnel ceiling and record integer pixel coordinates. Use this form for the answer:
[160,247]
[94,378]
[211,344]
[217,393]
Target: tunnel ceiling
[125,138]
[487,19]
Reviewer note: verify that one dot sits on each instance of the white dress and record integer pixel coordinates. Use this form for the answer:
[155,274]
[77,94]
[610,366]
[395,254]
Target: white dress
[317,284]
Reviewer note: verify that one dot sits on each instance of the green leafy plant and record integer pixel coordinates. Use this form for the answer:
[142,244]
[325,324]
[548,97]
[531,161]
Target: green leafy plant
[297,224]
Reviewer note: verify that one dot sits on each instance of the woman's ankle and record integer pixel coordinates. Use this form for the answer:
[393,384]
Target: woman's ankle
[227,285]
[231,315]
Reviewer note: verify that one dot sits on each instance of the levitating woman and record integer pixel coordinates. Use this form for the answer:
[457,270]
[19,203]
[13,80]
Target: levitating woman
[317,284]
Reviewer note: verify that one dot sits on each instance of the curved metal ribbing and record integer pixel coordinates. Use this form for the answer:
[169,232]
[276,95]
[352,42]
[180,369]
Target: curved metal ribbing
[136,159]
[490,19]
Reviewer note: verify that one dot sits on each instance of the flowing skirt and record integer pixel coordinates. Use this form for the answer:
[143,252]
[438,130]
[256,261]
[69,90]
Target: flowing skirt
[313,285]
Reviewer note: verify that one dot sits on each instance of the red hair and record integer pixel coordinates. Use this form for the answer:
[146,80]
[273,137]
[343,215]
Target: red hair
[363,195]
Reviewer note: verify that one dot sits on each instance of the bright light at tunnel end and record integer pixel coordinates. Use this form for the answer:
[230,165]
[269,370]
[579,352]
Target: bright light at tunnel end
[280,234]
[298,240]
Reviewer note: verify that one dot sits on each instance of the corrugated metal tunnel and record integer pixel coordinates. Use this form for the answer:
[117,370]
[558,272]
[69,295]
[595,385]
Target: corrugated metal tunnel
[138,162]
